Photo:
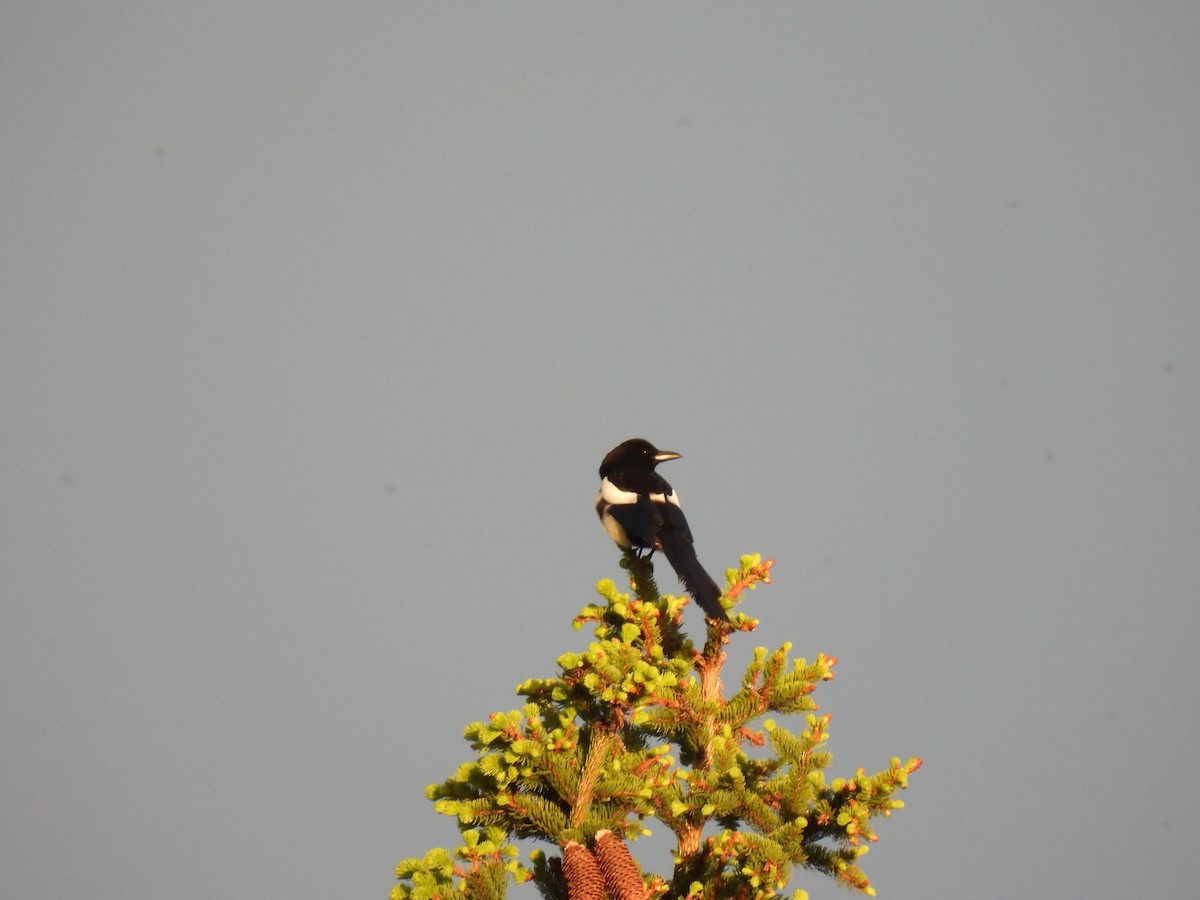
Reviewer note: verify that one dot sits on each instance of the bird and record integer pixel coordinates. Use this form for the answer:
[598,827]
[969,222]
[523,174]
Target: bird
[640,510]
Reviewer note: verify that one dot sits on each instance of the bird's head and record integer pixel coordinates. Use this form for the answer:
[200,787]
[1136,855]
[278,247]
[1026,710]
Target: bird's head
[635,452]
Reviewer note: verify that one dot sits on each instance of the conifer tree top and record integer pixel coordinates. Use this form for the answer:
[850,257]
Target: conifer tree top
[636,729]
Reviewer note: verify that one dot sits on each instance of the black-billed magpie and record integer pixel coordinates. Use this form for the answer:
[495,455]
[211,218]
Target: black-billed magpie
[639,509]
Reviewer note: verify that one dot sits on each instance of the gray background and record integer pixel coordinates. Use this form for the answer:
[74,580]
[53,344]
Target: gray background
[318,318]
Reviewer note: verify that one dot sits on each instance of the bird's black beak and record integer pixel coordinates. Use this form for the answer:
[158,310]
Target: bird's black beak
[664,455]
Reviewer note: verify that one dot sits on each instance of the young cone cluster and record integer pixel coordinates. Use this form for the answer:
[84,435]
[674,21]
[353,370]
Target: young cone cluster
[637,727]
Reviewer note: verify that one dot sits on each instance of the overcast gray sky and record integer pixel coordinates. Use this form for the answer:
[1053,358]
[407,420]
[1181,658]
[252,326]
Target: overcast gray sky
[318,318]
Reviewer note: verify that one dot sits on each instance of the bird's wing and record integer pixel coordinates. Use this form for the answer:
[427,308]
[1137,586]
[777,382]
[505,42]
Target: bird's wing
[641,520]
[671,514]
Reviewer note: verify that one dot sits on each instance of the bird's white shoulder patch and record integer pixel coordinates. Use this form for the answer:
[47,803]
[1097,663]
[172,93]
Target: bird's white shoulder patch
[610,493]
[671,498]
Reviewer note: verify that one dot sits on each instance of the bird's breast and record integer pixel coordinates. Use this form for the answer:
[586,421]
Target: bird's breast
[614,528]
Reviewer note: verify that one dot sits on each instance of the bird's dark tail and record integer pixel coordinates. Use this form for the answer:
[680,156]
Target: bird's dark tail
[682,556]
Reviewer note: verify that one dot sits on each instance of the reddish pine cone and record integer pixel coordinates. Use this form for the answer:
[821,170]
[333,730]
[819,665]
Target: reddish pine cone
[620,870]
[584,881]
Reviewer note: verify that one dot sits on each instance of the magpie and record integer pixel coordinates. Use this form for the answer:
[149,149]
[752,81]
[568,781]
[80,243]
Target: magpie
[640,510]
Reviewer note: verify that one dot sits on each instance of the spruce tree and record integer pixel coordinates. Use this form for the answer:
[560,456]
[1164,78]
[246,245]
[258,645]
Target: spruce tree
[636,727]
